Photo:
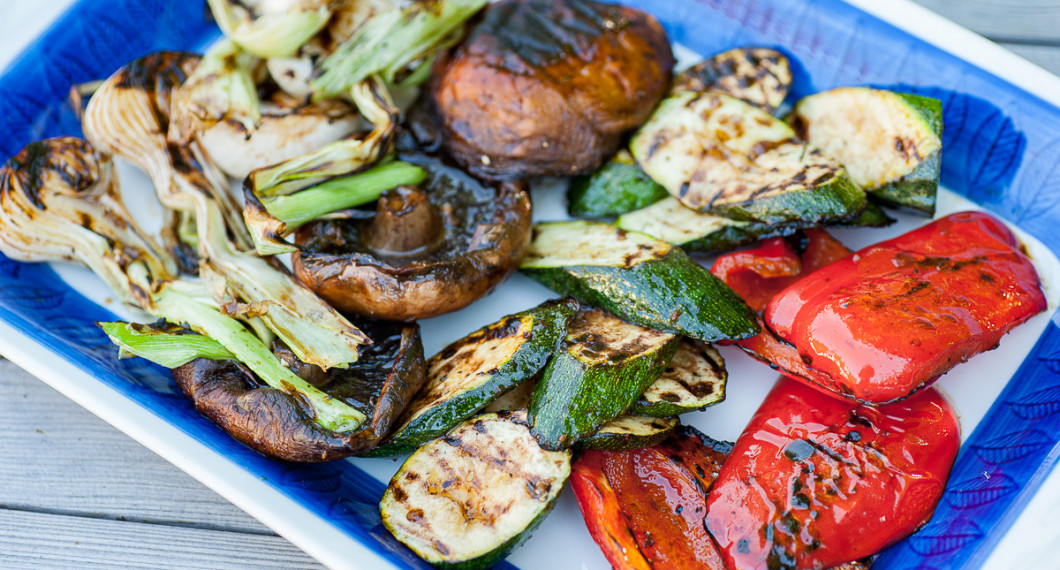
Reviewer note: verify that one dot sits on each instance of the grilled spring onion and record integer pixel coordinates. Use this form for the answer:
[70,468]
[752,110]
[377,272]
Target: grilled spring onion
[390,41]
[60,201]
[281,198]
[125,118]
[277,31]
[165,344]
[221,86]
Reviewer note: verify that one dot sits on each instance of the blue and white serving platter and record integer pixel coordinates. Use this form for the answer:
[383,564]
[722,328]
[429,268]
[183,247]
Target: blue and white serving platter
[1002,153]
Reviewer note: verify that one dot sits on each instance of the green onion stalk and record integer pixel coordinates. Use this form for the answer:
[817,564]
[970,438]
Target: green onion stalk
[220,87]
[344,174]
[275,33]
[60,201]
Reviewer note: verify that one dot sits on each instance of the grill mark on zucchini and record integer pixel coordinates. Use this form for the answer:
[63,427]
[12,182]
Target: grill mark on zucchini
[759,76]
[694,379]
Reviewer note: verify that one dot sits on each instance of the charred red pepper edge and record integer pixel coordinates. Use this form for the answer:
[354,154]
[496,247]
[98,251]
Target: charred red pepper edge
[891,318]
[815,481]
[758,274]
[646,507]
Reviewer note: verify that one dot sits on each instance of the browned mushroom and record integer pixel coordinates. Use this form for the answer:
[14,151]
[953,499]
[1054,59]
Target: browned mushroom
[426,251]
[280,424]
[547,87]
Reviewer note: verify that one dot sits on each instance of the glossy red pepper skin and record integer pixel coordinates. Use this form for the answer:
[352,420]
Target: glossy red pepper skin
[758,274]
[815,481]
[891,318]
[645,507]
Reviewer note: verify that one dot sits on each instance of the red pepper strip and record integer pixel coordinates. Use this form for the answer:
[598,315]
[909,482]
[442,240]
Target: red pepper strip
[891,318]
[760,273]
[645,507]
[815,481]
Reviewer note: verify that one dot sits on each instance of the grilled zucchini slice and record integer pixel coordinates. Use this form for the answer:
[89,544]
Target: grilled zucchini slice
[473,371]
[889,142]
[694,379]
[758,76]
[719,154]
[602,367]
[617,187]
[629,431]
[467,499]
[638,278]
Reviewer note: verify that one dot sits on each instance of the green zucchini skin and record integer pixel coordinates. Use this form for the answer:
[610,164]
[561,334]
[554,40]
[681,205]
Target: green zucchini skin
[615,188]
[444,400]
[629,431]
[890,142]
[758,76]
[465,500]
[694,379]
[600,370]
[671,293]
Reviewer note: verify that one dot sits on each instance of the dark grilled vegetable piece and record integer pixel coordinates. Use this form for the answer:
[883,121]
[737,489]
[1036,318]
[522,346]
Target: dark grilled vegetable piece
[694,379]
[619,186]
[467,499]
[278,424]
[548,87]
[759,76]
[473,371]
[602,367]
[889,142]
[428,250]
[718,154]
[636,277]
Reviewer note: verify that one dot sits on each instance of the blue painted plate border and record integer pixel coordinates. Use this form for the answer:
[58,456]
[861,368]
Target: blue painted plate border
[1002,150]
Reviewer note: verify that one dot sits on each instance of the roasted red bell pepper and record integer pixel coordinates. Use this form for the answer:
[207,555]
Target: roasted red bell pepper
[645,507]
[759,273]
[815,481]
[891,318]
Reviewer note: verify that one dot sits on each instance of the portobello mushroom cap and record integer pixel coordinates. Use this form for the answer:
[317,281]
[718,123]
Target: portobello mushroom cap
[426,251]
[548,87]
[280,425]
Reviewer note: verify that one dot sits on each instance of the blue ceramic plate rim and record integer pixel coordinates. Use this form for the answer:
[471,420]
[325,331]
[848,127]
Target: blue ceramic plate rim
[1000,465]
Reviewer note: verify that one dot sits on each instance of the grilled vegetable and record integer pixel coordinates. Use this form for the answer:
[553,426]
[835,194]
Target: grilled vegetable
[548,87]
[473,371]
[270,29]
[815,481]
[716,153]
[890,319]
[889,142]
[694,379]
[165,344]
[275,422]
[465,500]
[638,278]
[645,507]
[617,187]
[600,370]
[758,76]
[430,249]
[628,431]
[128,117]
[60,201]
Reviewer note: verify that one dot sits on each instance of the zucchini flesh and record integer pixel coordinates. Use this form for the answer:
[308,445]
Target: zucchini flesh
[694,379]
[615,188]
[473,371]
[638,278]
[467,499]
[602,367]
[629,431]
[719,154]
[889,142]
[758,76]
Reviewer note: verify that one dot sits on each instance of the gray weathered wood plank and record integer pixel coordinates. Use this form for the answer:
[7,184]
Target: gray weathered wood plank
[1047,57]
[1001,20]
[35,540]
[57,457]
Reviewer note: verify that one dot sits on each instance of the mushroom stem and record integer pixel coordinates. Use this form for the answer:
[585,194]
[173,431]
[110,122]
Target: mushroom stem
[405,222]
